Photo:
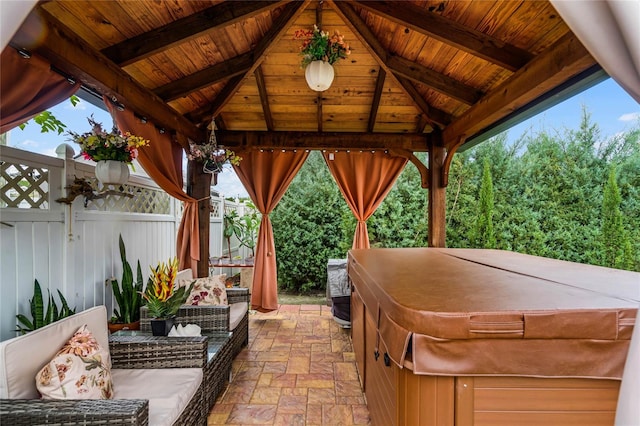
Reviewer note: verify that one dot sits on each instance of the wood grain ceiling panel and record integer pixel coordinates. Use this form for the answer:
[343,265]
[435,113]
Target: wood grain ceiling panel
[432,76]
[89,22]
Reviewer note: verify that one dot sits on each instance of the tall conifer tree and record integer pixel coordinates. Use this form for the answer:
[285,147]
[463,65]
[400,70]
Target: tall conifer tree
[484,235]
[616,247]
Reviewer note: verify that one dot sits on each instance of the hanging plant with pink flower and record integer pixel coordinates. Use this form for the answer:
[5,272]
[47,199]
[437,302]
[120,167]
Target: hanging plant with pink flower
[318,45]
[98,144]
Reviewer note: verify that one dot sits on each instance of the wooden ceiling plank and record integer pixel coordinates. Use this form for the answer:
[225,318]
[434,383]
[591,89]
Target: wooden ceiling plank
[190,27]
[438,82]
[451,32]
[360,28]
[322,140]
[289,13]
[563,60]
[319,111]
[319,95]
[366,36]
[434,116]
[205,113]
[382,74]
[264,99]
[74,56]
[206,77]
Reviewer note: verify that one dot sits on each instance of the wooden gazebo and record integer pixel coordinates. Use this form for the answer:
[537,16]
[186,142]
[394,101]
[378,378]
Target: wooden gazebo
[422,76]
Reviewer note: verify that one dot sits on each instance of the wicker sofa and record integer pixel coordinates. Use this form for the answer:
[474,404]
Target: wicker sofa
[159,383]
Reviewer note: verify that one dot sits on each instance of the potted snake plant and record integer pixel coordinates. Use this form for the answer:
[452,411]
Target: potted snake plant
[128,296]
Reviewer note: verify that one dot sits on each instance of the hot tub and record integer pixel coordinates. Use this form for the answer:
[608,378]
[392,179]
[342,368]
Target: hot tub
[488,337]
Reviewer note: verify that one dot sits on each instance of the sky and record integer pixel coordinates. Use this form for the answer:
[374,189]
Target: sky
[610,107]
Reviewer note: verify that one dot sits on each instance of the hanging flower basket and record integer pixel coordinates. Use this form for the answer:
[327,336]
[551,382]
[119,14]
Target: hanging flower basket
[319,75]
[112,172]
[112,151]
[319,52]
[211,156]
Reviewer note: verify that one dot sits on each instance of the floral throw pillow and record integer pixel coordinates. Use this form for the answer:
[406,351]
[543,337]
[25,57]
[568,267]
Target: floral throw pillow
[80,370]
[207,291]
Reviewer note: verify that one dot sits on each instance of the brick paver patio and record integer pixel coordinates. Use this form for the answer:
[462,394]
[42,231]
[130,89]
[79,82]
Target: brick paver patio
[298,369]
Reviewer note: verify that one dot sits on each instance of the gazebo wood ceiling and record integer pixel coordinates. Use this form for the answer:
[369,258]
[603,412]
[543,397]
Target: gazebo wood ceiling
[455,66]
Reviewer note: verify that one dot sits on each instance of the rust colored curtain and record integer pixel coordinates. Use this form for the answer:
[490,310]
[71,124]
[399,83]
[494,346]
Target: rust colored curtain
[162,160]
[365,179]
[266,176]
[28,87]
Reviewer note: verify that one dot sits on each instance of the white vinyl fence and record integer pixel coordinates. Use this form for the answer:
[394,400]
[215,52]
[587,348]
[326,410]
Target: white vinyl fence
[74,247]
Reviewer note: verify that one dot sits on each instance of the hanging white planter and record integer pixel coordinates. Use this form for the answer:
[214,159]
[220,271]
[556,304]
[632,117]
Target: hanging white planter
[319,75]
[111,172]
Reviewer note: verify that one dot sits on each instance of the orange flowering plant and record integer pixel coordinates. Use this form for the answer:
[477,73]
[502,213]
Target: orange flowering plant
[162,297]
[318,45]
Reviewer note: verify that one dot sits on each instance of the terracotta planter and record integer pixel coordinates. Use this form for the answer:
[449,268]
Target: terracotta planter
[161,327]
[116,326]
[111,172]
[319,75]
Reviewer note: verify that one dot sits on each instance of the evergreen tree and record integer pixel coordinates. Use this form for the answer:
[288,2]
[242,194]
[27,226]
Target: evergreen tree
[401,219]
[616,247]
[484,235]
[308,227]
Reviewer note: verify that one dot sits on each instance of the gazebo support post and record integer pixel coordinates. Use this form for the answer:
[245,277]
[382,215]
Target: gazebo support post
[436,192]
[199,187]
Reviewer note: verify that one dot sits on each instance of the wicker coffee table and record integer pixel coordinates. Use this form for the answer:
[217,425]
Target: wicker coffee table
[217,371]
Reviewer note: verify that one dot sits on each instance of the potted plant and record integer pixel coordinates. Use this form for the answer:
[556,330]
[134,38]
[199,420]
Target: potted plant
[112,152]
[247,231]
[40,318]
[128,295]
[319,52]
[162,297]
[230,228]
[211,156]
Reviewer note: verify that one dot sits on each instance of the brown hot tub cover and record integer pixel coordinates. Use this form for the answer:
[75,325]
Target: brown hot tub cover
[491,312]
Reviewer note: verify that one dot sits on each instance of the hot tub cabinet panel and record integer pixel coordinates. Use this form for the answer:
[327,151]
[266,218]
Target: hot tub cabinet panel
[484,337]
[507,401]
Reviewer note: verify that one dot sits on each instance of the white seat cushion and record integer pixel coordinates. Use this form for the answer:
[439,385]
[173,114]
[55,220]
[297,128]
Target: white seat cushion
[236,313]
[169,390]
[185,274]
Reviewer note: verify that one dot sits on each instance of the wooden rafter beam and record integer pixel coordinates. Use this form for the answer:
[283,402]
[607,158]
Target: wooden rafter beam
[204,114]
[205,78]
[320,141]
[72,55]
[563,60]
[377,94]
[264,99]
[379,53]
[289,13]
[451,32]
[185,29]
[422,169]
[438,82]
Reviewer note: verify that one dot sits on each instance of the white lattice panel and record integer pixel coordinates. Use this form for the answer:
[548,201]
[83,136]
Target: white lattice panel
[142,200]
[24,186]
[215,208]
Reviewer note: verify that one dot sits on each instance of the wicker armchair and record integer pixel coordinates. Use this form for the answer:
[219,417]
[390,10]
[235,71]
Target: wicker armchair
[214,319]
